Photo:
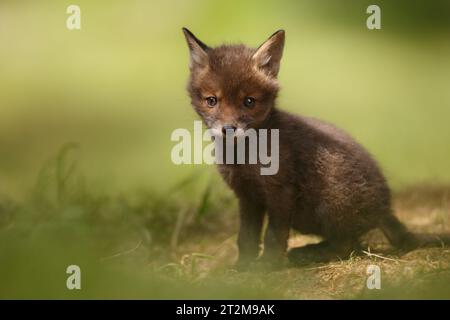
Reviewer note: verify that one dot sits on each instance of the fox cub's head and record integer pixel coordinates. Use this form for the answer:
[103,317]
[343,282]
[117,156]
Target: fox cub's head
[234,87]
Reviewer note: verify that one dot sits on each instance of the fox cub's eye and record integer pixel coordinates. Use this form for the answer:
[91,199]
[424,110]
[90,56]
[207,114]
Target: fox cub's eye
[249,102]
[211,101]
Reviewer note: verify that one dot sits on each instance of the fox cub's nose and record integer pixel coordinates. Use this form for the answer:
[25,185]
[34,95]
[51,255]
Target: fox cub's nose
[228,127]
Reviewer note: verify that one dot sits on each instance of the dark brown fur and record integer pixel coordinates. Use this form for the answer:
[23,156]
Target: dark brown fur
[327,183]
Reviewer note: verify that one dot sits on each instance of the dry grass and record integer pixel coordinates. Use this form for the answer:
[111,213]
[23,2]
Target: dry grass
[424,208]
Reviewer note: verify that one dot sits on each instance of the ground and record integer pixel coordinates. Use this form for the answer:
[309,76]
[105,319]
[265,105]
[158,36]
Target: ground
[152,245]
[422,272]
[205,258]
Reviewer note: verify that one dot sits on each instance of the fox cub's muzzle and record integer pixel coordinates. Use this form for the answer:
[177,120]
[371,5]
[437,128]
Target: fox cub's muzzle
[228,128]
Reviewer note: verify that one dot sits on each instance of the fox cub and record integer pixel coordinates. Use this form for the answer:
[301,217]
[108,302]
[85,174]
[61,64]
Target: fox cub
[327,184]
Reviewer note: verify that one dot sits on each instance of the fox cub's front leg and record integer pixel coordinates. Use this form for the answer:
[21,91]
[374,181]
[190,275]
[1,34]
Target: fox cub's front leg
[279,212]
[249,237]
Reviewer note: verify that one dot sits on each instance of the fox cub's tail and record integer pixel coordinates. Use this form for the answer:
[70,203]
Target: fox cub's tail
[399,236]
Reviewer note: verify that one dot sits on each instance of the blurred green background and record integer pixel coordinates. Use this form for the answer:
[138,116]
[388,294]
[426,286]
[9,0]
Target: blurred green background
[116,88]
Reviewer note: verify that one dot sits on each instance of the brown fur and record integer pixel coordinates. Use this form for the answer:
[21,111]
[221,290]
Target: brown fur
[327,183]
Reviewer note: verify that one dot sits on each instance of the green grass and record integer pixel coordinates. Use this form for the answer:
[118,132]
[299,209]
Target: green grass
[164,245]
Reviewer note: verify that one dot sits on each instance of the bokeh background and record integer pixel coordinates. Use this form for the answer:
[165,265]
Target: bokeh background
[86,115]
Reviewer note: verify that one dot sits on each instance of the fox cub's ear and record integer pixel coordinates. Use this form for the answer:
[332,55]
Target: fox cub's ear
[197,49]
[267,57]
